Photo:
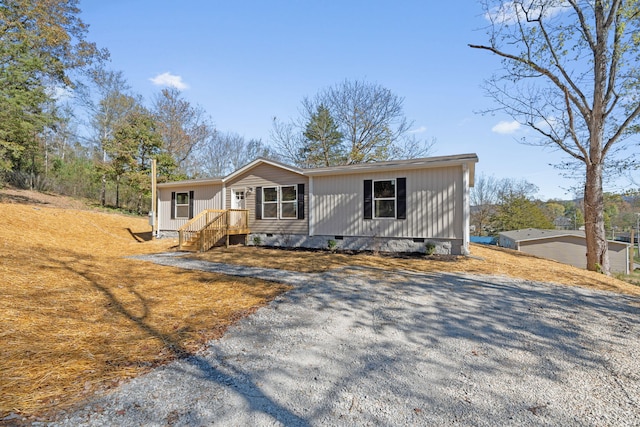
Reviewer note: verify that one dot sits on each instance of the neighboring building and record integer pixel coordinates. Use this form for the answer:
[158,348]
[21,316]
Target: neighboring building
[563,223]
[388,206]
[566,246]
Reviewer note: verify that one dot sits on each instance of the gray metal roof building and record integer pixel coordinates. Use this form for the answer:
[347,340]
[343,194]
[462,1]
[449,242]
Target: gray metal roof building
[566,246]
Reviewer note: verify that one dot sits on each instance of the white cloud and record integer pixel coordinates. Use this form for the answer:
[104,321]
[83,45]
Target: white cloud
[421,129]
[168,79]
[506,127]
[60,93]
[510,12]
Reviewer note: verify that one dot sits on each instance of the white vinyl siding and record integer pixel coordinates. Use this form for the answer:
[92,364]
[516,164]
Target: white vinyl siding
[434,203]
[204,197]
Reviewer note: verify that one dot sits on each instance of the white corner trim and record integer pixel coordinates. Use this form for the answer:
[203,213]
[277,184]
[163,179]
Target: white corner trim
[466,209]
[157,214]
[224,197]
[310,208]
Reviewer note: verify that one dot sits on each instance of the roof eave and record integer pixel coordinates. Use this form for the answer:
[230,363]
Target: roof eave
[257,162]
[424,163]
[190,182]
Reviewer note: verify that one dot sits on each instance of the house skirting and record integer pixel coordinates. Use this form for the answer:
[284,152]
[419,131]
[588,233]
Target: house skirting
[167,234]
[362,243]
[357,243]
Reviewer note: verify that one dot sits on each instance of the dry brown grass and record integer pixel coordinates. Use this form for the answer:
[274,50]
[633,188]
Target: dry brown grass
[484,260]
[78,317]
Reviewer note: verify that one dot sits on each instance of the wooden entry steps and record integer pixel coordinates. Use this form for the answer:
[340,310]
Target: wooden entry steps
[212,227]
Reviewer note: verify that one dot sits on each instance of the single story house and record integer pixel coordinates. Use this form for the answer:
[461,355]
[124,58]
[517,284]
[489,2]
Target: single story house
[566,246]
[399,205]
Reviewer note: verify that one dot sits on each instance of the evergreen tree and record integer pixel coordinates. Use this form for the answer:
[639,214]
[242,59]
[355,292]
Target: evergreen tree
[322,140]
[40,43]
[135,143]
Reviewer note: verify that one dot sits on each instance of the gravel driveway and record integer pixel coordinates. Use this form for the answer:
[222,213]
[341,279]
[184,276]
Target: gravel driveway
[361,347]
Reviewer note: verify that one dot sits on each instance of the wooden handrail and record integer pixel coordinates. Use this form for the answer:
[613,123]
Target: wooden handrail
[210,225]
[198,218]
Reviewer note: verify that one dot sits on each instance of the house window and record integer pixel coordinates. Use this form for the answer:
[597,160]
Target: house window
[289,203]
[284,202]
[270,202]
[384,198]
[182,205]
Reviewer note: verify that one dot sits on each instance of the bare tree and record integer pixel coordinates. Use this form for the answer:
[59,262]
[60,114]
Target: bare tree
[483,198]
[288,141]
[107,101]
[370,116]
[571,73]
[488,193]
[225,152]
[369,119]
[183,127]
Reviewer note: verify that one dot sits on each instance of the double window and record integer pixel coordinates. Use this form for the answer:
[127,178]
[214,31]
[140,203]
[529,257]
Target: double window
[280,202]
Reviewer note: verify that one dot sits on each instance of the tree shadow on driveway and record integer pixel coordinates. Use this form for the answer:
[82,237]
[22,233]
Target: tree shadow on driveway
[358,347]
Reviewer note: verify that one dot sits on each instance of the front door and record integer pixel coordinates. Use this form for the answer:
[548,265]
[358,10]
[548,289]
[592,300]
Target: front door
[237,199]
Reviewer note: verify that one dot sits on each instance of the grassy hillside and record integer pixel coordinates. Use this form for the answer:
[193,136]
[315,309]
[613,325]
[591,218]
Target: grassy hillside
[78,316]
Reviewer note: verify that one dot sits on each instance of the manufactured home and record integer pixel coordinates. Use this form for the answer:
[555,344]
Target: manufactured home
[394,206]
[565,246]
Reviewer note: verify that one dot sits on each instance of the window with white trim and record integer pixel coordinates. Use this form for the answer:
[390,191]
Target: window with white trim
[289,201]
[182,205]
[384,198]
[270,202]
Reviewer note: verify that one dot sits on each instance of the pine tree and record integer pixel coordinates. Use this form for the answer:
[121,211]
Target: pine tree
[40,43]
[323,140]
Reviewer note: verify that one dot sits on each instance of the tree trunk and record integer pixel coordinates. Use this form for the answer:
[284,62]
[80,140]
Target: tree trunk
[597,246]
[118,192]
[103,190]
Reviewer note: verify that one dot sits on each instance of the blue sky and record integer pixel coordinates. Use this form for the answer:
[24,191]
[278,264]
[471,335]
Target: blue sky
[245,62]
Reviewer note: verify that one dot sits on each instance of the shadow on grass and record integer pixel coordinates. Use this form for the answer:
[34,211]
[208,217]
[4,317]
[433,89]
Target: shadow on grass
[141,237]
[137,314]
[20,199]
